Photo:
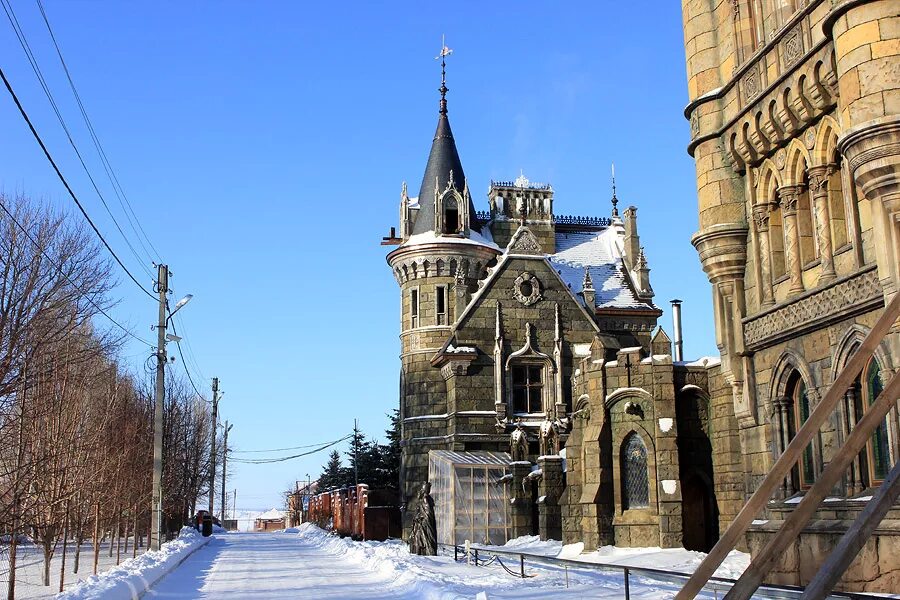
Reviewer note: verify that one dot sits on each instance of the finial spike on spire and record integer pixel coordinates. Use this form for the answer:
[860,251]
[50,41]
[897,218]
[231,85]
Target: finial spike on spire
[445,52]
[615,201]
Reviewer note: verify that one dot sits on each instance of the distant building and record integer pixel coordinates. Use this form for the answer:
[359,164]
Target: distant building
[271,520]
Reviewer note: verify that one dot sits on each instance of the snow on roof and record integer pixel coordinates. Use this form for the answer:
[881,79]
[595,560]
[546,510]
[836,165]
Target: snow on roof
[273,514]
[429,237]
[601,254]
[703,361]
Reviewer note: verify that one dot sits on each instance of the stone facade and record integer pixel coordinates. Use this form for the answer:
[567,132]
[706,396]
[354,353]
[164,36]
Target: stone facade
[795,131]
[527,332]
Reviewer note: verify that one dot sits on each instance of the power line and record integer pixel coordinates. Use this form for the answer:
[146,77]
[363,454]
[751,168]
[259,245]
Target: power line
[280,449]
[184,363]
[110,172]
[69,279]
[264,461]
[65,183]
[32,60]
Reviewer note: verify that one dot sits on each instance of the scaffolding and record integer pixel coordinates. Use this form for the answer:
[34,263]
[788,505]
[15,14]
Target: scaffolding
[471,502]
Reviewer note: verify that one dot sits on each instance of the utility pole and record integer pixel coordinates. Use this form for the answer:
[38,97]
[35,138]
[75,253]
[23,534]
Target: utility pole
[212,455]
[224,463]
[156,516]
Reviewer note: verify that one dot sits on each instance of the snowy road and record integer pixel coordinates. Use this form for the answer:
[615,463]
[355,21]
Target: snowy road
[311,564]
[269,565]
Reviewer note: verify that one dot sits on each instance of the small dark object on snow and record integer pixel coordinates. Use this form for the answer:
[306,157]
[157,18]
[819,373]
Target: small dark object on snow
[423,538]
[203,522]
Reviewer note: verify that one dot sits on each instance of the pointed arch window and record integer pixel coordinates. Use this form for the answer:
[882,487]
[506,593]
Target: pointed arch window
[878,457]
[451,214]
[635,481]
[801,411]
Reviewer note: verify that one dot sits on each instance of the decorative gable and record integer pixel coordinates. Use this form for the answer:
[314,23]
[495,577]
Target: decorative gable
[524,242]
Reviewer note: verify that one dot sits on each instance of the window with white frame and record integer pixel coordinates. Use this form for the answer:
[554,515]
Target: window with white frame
[414,307]
[441,304]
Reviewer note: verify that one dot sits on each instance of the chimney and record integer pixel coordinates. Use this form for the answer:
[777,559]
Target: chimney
[676,318]
[632,241]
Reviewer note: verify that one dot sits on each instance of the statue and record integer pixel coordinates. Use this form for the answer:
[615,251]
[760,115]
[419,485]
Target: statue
[549,437]
[518,443]
[423,538]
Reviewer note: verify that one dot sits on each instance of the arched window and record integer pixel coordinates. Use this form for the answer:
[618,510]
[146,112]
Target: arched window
[878,458]
[801,410]
[776,243]
[635,482]
[451,215]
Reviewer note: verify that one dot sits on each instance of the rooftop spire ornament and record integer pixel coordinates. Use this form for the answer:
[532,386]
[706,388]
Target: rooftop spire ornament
[615,201]
[445,52]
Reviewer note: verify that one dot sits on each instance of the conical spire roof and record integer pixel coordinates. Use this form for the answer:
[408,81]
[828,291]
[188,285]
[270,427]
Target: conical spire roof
[442,161]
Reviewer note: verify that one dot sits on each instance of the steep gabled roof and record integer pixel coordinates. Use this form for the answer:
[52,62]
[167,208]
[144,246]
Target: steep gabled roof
[600,252]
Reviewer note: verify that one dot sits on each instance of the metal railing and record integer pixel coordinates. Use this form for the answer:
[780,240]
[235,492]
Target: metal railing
[716,585]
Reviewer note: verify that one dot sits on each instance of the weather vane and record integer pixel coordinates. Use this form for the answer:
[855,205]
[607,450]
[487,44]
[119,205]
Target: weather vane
[445,52]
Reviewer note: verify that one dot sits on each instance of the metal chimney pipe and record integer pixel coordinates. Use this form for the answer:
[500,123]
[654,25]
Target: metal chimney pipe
[676,319]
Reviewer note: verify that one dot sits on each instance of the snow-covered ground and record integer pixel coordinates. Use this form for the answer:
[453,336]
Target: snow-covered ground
[30,568]
[308,563]
[135,576]
[677,560]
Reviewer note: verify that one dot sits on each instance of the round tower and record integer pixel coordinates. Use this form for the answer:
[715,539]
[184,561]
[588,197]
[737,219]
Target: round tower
[444,250]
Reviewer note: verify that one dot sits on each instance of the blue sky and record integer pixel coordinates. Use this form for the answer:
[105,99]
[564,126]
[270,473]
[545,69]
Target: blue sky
[263,146]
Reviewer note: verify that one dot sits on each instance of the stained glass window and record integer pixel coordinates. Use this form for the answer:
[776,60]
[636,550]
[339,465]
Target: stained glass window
[635,483]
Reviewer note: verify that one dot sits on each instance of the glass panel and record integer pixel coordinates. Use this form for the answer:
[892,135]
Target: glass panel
[520,399]
[879,441]
[634,473]
[518,375]
[534,374]
[534,400]
[802,400]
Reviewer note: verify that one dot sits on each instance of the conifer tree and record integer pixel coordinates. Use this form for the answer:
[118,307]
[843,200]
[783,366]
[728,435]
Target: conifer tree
[334,474]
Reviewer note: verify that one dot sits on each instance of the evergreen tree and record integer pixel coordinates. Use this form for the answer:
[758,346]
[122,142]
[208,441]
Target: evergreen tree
[390,452]
[334,475]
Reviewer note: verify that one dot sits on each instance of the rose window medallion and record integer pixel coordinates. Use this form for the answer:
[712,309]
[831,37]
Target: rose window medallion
[527,289]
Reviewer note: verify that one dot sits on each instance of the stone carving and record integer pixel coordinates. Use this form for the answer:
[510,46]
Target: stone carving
[527,289]
[524,242]
[518,443]
[761,216]
[847,297]
[751,82]
[549,437]
[792,47]
[423,538]
[780,158]
[809,138]
[695,123]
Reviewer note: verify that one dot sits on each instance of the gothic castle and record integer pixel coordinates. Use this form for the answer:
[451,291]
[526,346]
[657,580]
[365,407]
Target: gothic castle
[539,395]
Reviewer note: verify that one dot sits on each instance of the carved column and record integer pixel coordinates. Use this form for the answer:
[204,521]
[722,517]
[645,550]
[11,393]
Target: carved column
[855,483]
[818,187]
[790,197]
[761,213]
[782,406]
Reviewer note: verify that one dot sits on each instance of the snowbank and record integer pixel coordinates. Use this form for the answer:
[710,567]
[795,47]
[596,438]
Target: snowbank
[136,575]
[677,560]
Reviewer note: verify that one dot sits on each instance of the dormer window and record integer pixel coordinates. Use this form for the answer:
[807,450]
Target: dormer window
[451,215]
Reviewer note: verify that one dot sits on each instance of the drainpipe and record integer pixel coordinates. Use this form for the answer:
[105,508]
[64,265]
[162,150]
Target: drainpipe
[676,318]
